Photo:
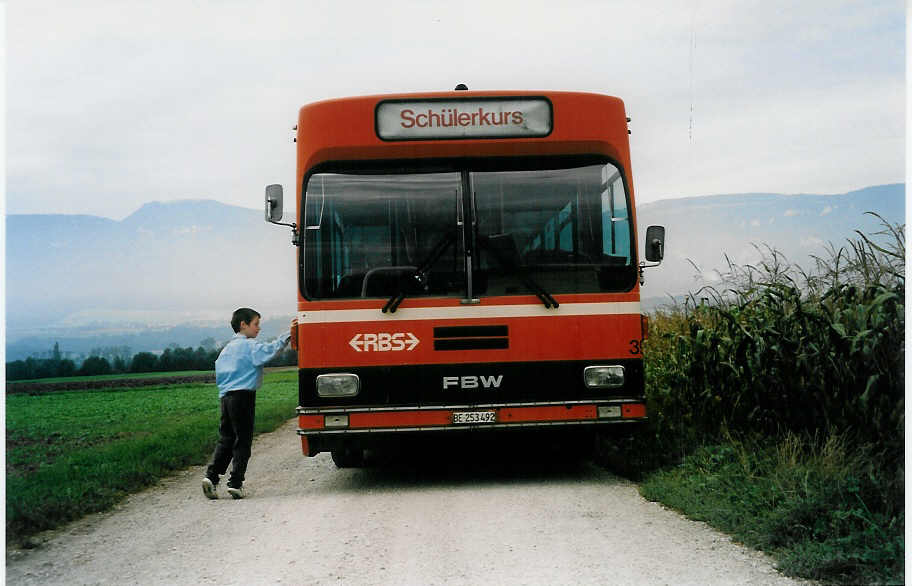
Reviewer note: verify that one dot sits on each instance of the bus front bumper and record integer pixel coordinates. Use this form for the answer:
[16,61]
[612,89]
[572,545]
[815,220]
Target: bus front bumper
[324,422]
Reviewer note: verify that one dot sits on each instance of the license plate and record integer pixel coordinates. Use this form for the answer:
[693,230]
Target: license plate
[475,417]
[609,411]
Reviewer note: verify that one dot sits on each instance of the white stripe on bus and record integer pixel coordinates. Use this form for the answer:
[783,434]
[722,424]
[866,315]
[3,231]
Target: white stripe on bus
[468,312]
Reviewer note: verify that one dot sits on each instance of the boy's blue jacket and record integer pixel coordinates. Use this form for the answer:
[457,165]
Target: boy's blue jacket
[240,363]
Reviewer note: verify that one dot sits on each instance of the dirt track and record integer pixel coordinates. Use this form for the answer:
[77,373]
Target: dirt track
[477,520]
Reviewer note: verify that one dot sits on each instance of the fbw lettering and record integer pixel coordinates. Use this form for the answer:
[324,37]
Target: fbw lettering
[472,382]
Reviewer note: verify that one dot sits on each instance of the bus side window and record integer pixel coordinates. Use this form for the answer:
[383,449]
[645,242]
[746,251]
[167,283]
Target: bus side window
[549,235]
[564,220]
[339,249]
[615,221]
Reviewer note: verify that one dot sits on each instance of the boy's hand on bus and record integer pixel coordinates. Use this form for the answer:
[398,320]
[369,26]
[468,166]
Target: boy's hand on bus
[293,331]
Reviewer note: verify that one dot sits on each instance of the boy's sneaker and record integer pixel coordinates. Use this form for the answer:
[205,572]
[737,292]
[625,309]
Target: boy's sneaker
[209,489]
[237,492]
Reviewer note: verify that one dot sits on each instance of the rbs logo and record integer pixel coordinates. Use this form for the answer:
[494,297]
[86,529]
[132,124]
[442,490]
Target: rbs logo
[384,342]
[472,382]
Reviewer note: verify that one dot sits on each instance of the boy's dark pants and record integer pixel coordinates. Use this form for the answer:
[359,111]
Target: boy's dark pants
[235,437]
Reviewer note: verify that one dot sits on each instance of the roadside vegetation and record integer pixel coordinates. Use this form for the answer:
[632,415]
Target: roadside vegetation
[777,404]
[70,453]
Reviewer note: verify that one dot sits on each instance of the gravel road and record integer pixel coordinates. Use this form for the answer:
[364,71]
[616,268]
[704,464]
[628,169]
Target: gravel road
[307,522]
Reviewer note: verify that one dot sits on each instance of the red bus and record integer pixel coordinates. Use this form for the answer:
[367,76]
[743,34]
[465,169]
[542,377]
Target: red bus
[467,263]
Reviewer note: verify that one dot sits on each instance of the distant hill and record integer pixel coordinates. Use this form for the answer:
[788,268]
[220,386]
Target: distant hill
[705,229]
[173,272]
[183,263]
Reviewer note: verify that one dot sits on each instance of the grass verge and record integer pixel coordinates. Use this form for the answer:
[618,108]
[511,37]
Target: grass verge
[816,505]
[77,452]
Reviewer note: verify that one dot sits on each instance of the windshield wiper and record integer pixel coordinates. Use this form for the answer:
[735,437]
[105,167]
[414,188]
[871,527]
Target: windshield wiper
[420,275]
[503,249]
[508,259]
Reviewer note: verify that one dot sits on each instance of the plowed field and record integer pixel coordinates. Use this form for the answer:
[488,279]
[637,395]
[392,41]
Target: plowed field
[112,383]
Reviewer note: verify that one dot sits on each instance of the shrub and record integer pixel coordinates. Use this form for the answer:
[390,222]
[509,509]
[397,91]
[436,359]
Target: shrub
[95,365]
[144,362]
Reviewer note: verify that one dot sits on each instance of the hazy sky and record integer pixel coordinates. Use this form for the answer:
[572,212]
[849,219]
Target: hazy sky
[114,104]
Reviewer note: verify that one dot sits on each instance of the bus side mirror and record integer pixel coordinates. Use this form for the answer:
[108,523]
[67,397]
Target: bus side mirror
[273,203]
[655,243]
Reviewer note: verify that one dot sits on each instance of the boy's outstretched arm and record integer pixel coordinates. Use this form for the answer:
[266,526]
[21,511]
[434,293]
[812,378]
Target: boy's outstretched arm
[263,353]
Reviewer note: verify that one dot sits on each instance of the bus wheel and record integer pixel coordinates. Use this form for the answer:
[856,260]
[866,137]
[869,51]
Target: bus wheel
[348,457]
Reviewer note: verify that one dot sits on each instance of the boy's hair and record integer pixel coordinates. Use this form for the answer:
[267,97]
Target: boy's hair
[244,314]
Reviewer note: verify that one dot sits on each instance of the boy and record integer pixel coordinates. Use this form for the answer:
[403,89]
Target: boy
[238,374]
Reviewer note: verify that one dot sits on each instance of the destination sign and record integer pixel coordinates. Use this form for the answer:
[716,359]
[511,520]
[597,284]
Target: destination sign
[464,118]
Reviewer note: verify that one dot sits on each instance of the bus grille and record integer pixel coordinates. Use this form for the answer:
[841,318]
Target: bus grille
[471,338]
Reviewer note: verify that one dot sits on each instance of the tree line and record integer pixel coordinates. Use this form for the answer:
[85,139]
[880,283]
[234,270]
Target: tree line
[102,362]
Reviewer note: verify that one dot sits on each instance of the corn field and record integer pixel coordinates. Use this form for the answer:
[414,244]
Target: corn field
[777,348]
[776,408]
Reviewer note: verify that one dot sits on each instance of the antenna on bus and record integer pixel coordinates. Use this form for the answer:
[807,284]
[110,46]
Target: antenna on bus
[461,88]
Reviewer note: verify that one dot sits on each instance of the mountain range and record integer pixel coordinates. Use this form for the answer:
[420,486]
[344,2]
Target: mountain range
[173,272]
[702,231]
[170,269]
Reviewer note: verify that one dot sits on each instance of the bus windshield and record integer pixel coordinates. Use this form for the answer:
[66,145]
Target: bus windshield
[565,230]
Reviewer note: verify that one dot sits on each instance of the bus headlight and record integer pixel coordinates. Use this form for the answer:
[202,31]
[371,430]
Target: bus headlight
[604,377]
[341,384]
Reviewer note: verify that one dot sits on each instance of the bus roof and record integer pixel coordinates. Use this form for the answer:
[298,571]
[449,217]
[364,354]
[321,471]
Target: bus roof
[357,128]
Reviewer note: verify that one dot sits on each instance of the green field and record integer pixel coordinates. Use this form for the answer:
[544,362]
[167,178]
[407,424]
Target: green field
[70,453]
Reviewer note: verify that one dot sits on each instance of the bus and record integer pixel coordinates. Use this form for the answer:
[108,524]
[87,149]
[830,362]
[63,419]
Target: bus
[467,264]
